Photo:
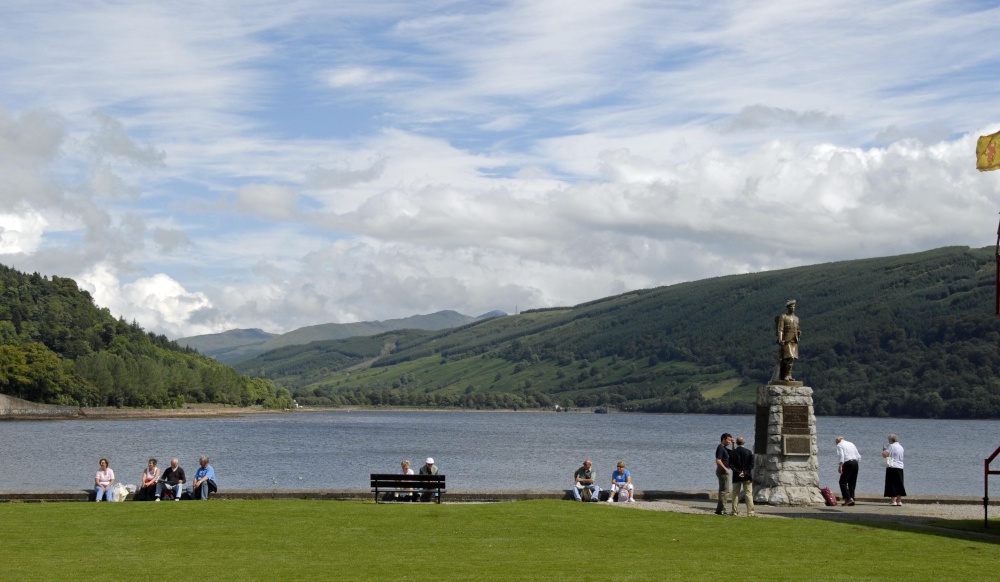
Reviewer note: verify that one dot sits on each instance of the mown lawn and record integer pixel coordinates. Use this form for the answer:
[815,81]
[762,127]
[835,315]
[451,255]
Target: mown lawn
[558,540]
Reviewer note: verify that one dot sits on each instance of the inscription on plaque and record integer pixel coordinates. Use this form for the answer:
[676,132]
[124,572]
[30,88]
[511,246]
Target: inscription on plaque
[760,430]
[795,419]
[797,445]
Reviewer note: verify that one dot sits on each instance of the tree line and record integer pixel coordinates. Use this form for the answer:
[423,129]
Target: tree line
[57,347]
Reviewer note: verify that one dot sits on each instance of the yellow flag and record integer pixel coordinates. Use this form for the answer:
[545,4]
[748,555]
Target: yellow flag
[988,152]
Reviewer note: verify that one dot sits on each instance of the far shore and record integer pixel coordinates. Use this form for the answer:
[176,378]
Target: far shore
[109,413]
[222,410]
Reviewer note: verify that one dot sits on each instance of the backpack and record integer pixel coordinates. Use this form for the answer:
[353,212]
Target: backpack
[829,497]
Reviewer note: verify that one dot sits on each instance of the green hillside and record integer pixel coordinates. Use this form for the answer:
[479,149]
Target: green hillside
[912,335]
[235,346]
[57,347]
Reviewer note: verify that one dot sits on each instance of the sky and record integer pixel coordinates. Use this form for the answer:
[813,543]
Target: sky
[205,166]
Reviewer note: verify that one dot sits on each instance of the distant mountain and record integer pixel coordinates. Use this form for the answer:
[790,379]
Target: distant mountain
[215,344]
[906,336]
[494,313]
[238,345]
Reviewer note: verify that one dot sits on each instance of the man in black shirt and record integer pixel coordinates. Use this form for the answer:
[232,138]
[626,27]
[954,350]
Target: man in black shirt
[741,464]
[722,472]
[172,479]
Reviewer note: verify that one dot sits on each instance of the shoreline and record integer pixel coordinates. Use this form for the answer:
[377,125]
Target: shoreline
[39,412]
[223,410]
[694,498]
[111,413]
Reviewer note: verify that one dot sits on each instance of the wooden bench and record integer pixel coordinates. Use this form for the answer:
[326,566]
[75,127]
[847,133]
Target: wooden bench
[417,485]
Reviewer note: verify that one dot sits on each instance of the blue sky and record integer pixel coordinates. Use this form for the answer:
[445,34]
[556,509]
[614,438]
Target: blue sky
[203,166]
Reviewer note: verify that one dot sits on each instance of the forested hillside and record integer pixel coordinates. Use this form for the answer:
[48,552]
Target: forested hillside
[912,335]
[57,347]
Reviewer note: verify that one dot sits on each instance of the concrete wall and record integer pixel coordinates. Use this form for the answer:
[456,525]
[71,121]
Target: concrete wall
[11,407]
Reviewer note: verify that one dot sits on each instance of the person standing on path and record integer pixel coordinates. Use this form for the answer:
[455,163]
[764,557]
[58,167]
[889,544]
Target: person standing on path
[894,471]
[722,472]
[741,463]
[848,457]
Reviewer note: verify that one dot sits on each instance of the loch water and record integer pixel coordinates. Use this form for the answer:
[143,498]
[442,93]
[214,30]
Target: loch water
[476,450]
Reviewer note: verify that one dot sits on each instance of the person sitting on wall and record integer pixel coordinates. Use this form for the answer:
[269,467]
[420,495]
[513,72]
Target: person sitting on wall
[204,481]
[621,484]
[171,481]
[103,482]
[150,476]
[585,486]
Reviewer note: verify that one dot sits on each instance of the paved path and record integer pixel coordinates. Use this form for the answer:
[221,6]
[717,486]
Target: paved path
[861,511]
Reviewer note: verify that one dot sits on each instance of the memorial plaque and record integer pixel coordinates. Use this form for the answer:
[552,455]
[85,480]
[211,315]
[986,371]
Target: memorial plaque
[796,445]
[795,419]
[760,430]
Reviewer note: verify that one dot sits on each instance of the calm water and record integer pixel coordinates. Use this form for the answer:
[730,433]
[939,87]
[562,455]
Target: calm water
[476,450]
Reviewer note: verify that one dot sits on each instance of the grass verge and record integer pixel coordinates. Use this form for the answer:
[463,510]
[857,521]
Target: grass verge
[556,540]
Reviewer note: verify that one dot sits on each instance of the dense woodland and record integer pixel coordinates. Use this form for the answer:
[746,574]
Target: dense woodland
[913,335]
[57,347]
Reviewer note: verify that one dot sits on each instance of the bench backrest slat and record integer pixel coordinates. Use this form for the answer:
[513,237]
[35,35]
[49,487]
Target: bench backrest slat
[388,480]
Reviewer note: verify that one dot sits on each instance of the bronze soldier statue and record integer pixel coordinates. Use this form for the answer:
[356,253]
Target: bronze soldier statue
[787,327]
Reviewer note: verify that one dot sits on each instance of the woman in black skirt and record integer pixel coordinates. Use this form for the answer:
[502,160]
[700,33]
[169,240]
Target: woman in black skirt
[894,471]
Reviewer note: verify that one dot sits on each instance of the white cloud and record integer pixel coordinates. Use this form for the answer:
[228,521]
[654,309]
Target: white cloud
[226,164]
[267,201]
[354,76]
[21,234]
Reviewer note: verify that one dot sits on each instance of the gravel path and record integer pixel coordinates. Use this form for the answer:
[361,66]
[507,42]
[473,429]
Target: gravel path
[908,513]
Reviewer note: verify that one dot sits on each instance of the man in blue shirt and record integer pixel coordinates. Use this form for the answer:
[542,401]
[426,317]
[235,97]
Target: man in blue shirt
[204,480]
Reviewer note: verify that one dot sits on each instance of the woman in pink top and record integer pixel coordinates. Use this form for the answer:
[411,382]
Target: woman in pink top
[103,482]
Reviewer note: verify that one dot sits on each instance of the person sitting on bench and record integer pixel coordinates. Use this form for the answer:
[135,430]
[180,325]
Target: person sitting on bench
[429,468]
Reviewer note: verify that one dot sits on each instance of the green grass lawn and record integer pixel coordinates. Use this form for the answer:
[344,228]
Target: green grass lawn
[322,540]
[973,525]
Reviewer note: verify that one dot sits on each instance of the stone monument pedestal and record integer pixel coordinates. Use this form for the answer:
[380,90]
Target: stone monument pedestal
[786,470]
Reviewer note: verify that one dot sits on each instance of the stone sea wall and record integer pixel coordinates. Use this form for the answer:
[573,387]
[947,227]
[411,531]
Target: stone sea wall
[14,408]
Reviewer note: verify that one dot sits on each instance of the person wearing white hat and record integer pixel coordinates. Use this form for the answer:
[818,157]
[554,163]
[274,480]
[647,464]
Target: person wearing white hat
[429,468]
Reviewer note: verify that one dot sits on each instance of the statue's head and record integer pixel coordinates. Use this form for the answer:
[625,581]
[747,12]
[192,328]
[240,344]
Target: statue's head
[790,305]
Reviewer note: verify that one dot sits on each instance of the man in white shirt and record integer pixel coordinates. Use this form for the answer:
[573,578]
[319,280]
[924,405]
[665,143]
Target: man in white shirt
[848,457]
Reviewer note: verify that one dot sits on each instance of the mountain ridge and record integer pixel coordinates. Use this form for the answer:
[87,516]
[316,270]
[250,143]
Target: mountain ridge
[910,335]
[234,346]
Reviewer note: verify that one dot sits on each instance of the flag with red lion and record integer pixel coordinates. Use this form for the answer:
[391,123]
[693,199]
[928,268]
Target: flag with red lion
[987,156]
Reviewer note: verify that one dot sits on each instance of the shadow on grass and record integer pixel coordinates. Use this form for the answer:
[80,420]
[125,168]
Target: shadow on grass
[968,529]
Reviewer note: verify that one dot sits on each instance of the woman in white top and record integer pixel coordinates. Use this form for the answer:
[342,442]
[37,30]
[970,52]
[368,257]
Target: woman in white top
[103,481]
[149,478]
[406,470]
[894,471]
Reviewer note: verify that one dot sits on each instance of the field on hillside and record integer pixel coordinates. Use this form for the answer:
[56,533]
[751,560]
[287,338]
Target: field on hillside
[555,540]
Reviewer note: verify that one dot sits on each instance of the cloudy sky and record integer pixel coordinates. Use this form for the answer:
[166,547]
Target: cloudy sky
[203,166]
